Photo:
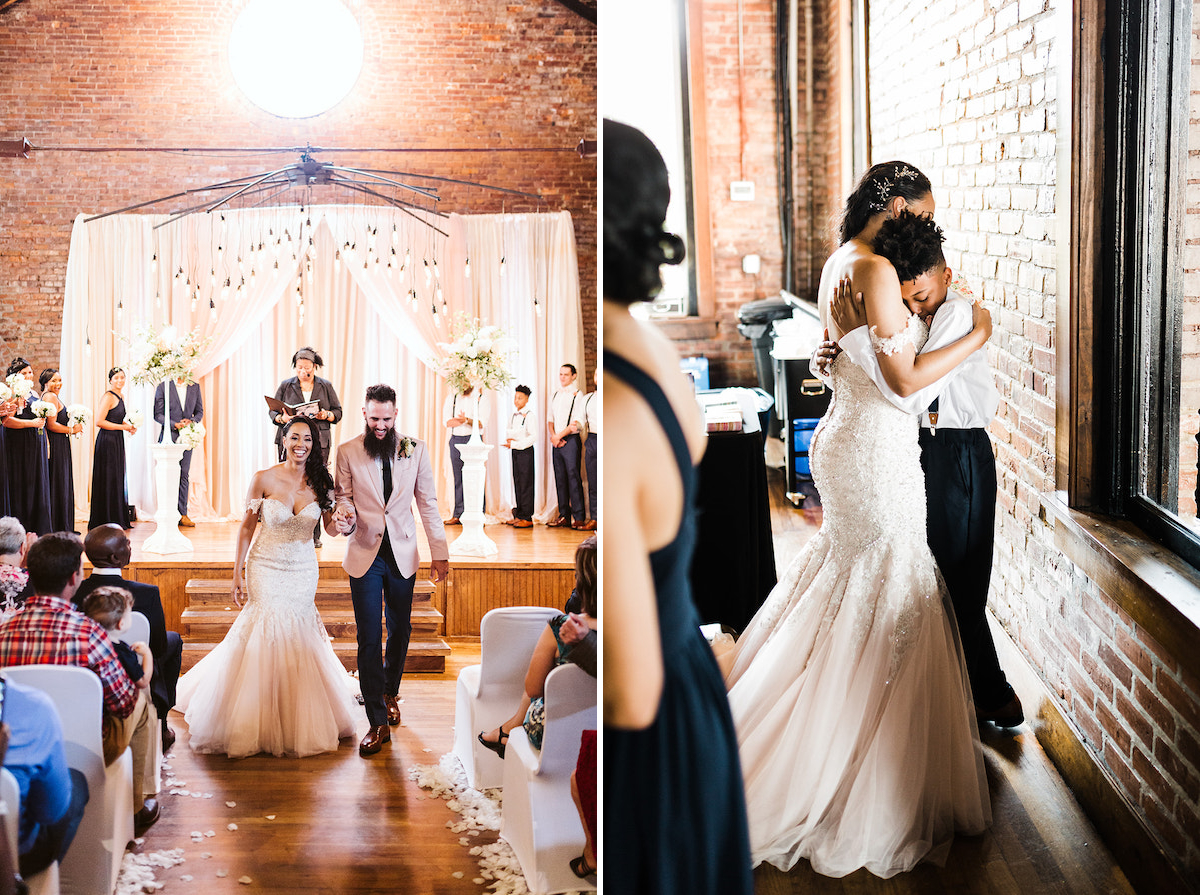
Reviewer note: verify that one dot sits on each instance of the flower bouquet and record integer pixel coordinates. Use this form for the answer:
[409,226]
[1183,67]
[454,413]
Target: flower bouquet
[190,436]
[157,357]
[477,357]
[43,409]
[78,415]
[21,387]
[6,393]
[134,418]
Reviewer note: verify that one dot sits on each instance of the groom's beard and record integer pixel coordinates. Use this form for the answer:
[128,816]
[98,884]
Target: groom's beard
[379,448]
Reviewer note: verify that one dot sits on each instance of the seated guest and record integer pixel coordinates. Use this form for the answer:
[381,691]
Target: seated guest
[108,549]
[53,795]
[566,638]
[112,609]
[48,631]
[14,580]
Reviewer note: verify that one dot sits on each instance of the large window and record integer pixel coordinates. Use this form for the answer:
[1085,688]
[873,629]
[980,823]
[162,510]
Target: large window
[1149,320]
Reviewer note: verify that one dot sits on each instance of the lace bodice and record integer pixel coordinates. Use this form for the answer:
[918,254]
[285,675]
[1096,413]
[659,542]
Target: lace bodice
[282,560]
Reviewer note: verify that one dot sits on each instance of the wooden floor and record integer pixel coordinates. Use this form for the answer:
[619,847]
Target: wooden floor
[1040,841]
[342,824]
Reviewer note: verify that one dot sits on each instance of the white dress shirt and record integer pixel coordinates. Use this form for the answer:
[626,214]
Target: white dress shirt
[591,414]
[458,405]
[967,396]
[522,428]
[566,408]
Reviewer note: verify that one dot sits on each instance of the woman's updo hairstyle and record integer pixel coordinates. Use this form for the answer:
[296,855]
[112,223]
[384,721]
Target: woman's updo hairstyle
[881,184]
[18,364]
[47,375]
[114,371]
[636,195]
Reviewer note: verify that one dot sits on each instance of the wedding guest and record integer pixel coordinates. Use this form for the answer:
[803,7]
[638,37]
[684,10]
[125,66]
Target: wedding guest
[112,609]
[566,638]
[48,631]
[456,414]
[187,407]
[28,461]
[674,807]
[110,500]
[564,425]
[520,436]
[60,430]
[53,795]
[307,387]
[15,588]
[591,445]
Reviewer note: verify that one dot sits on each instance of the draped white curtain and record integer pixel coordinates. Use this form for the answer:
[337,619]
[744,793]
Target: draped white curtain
[369,321]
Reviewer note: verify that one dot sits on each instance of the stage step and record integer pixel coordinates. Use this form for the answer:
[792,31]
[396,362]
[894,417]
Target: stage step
[211,612]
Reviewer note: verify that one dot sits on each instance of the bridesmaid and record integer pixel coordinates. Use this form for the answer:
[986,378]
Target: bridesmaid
[28,465]
[109,501]
[62,478]
[7,409]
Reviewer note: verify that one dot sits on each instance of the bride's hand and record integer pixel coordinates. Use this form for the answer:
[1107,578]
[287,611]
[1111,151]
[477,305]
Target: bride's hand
[237,591]
[981,318]
[847,308]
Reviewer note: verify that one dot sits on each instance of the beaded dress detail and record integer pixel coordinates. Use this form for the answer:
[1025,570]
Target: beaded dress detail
[855,722]
[274,684]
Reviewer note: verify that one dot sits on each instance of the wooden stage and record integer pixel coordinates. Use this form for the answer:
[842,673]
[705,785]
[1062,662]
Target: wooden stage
[534,567]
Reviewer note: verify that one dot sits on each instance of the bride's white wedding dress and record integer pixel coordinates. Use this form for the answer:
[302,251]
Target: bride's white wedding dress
[274,684]
[855,723]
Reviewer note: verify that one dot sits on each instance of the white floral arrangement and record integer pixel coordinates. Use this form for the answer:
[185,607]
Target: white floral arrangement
[477,357]
[78,415]
[21,387]
[157,357]
[43,409]
[134,418]
[190,436]
[6,393]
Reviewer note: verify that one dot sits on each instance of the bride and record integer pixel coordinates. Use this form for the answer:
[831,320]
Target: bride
[274,684]
[855,724]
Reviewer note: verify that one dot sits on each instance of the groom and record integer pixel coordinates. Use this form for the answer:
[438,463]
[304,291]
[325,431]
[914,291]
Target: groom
[378,476]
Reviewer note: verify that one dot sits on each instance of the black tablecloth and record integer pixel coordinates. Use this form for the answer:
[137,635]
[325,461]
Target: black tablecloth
[733,569]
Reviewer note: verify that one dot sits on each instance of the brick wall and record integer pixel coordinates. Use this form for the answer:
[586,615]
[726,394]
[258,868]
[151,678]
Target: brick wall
[436,75]
[1189,404]
[976,109]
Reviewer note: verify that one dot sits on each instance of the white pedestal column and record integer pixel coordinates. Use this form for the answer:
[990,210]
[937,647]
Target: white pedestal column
[167,537]
[472,541]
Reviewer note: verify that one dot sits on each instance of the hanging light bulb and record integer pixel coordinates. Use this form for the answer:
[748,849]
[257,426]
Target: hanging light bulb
[437,273]
[120,308]
[157,300]
[537,308]
[337,261]
[225,289]
[212,309]
[439,295]
[407,259]
[428,272]
[179,273]
[253,275]
[467,268]
[87,347]
[212,280]
[395,236]
[277,265]
[501,265]
[154,263]
[312,248]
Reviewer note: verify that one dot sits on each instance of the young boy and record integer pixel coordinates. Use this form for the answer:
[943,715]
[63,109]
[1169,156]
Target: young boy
[519,437]
[956,455]
[112,609]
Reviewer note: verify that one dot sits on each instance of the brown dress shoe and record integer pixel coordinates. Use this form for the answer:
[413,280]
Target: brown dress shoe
[579,526]
[590,525]
[145,819]
[559,522]
[185,522]
[522,523]
[453,520]
[393,710]
[374,740]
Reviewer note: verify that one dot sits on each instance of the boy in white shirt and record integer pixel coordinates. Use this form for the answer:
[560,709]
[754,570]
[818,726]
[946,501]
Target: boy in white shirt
[519,437]
[956,455]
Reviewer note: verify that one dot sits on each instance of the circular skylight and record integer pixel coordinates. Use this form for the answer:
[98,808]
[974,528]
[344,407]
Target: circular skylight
[295,58]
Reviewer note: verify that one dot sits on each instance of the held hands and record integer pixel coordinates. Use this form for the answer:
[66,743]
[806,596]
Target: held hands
[847,307]
[344,520]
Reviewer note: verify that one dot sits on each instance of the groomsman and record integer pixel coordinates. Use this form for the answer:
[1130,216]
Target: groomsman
[591,443]
[564,425]
[956,454]
[521,433]
[186,407]
[457,418]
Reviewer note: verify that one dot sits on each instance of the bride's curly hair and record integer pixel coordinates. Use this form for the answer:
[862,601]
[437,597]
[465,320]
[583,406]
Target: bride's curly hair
[636,194]
[881,184]
[315,474]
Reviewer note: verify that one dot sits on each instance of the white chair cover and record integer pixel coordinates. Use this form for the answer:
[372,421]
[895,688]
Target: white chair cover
[94,859]
[488,693]
[540,820]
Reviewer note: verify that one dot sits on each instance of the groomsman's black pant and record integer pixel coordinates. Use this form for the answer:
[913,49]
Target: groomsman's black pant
[589,460]
[567,479]
[522,468]
[456,465]
[960,492]
[185,467]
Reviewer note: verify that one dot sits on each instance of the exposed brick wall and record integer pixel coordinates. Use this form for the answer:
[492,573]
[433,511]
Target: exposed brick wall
[436,75]
[1189,404]
[976,109]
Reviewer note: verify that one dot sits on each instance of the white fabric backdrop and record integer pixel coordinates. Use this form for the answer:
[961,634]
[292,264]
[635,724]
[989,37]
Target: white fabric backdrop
[121,273]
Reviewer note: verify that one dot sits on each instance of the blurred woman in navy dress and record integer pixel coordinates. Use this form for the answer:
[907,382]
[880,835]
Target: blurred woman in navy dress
[110,502]
[27,459]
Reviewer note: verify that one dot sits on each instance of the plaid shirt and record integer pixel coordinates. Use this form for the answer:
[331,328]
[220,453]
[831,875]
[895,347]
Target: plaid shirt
[49,631]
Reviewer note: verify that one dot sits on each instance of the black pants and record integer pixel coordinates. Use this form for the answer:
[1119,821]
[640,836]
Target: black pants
[567,480]
[960,492]
[185,467]
[591,463]
[381,592]
[522,469]
[456,464]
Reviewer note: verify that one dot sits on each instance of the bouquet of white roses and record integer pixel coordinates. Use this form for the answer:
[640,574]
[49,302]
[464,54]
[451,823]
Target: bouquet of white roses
[477,357]
[155,357]
[6,393]
[43,409]
[21,387]
[190,436]
[77,415]
[134,418]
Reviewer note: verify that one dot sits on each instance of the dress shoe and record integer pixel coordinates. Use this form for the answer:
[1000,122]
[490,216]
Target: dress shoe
[1008,715]
[185,522]
[374,740]
[453,520]
[590,525]
[393,710]
[168,738]
[145,819]
[559,522]
[522,523]
[579,526]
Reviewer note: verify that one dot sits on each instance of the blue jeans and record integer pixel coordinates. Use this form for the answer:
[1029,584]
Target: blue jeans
[54,839]
[381,591]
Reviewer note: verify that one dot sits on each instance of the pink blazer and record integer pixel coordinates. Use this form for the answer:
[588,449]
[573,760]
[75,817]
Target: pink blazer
[359,483]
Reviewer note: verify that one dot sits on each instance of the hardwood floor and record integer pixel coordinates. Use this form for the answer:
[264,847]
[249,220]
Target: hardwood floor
[1040,840]
[341,823]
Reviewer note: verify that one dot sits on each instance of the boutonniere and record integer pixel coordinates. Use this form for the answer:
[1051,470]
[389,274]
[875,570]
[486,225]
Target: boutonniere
[407,446]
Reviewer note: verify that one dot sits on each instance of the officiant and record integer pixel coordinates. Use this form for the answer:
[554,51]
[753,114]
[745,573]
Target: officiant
[187,407]
[307,388]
